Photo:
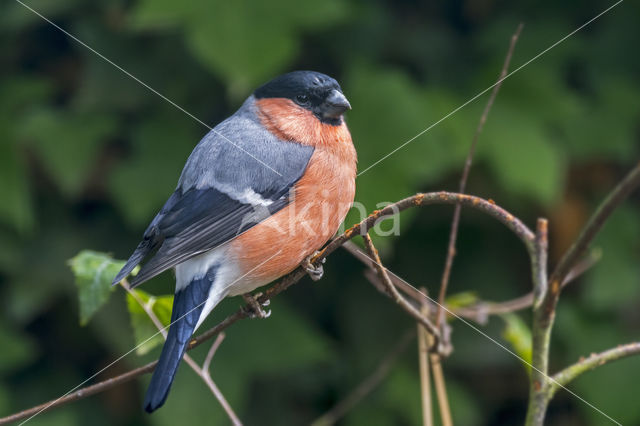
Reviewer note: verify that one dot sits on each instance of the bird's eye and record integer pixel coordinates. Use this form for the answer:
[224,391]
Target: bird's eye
[302,99]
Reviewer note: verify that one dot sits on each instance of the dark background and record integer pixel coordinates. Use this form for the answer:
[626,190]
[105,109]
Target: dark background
[87,156]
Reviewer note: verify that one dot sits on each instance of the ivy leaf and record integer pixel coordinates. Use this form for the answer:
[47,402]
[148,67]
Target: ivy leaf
[143,327]
[94,272]
[518,334]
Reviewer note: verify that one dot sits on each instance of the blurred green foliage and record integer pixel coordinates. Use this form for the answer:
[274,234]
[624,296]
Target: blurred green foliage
[87,156]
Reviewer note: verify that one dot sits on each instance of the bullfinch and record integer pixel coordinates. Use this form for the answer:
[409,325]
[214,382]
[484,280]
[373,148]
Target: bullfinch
[260,193]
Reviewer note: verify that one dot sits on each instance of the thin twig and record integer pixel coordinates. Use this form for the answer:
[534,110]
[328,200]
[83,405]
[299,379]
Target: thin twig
[423,360]
[630,182]
[441,389]
[583,266]
[202,372]
[487,207]
[206,365]
[451,249]
[152,315]
[567,375]
[367,386]
[352,248]
[479,311]
[205,373]
[395,295]
[81,393]
[438,374]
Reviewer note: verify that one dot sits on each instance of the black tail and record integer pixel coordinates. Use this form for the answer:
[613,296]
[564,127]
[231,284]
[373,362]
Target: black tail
[187,307]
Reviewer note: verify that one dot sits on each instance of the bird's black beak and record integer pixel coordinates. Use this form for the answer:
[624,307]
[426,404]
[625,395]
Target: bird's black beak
[335,104]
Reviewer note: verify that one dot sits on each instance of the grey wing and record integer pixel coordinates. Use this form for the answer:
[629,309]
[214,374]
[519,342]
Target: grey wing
[223,191]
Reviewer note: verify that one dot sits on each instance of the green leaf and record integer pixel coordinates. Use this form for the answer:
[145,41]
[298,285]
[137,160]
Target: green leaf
[94,272]
[143,327]
[462,299]
[518,334]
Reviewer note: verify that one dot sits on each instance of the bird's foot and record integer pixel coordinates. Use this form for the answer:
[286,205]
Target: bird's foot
[315,272]
[254,308]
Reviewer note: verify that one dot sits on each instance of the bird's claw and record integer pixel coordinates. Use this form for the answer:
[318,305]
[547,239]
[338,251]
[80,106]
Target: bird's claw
[315,272]
[254,308]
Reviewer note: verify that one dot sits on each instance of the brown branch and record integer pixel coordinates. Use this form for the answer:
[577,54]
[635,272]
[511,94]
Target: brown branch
[205,374]
[479,311]
[541,389]
[409,290]
[367,386]
[541,334]
[395,295]
[438,374]
[567,375]
[202,372]
[80,393]
[451,249]
[441,390]
[487,207]
[120,379]
[206,365]
[423,360]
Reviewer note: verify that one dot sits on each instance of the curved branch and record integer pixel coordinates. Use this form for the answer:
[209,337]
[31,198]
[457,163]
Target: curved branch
[479,311]
[425,199]
[486,206]
[567,375]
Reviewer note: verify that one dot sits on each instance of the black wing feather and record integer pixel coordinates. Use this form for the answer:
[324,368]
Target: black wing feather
[198,221]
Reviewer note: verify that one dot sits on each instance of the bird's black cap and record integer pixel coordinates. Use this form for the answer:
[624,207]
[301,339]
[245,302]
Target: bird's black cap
[312,90]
